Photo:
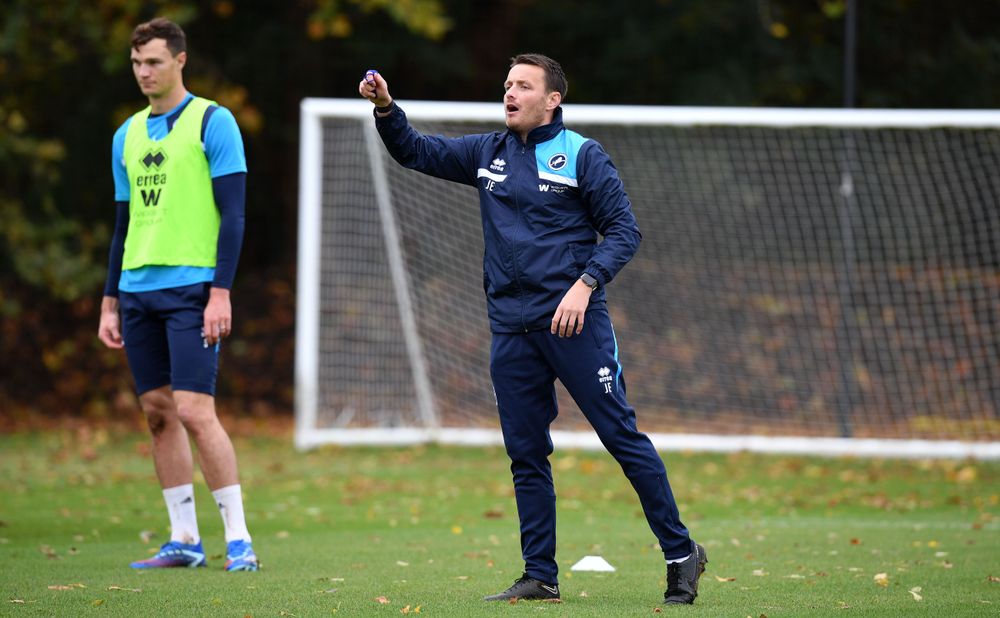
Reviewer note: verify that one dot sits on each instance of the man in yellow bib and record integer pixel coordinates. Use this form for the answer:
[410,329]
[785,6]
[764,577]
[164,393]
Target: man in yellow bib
[180,188]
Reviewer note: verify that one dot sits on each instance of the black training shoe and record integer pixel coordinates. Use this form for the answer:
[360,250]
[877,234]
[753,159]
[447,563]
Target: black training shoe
[527,589]
[682,577]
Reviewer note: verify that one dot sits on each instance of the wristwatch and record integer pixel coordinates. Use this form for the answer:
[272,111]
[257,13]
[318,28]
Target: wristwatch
[589,281]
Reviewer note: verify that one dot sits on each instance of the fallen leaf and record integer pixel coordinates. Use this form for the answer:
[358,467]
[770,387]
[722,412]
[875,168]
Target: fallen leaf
[330,591]
[493,514]
[966,475]
[405,610]
[657,610]
[795,576]
[724,579]
[855,541]
[584,593]
[456,529]
[915,591]
[947,564]
[759,572]
[401,563]
[125,589]
[462,577]
[19,601]
[882,579]
[993,578]
[382,600]
[282,534]
[146,536]
[48,551]
[97,602]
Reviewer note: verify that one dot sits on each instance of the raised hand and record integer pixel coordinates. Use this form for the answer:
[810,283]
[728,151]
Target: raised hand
[374,88]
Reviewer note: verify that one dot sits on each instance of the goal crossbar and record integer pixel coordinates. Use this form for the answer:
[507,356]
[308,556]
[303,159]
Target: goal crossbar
[678,115]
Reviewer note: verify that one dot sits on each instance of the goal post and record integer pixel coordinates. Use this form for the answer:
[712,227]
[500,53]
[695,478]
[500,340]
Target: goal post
[809,281]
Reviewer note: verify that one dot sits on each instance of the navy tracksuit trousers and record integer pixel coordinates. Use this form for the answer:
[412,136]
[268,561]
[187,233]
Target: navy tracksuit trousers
[524,367]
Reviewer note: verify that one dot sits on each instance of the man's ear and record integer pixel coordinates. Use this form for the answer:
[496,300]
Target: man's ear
[181,59]
[553,100]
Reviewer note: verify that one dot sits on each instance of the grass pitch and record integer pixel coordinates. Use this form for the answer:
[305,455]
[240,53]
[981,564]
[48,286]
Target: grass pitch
[430,530]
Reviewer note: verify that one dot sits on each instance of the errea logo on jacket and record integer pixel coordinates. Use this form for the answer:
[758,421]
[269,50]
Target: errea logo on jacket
[498,165]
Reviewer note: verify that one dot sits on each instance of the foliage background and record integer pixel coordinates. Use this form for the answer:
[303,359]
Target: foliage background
[65,86]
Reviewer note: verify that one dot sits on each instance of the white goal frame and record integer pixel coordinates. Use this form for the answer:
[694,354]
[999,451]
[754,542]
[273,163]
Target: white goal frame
[314,110]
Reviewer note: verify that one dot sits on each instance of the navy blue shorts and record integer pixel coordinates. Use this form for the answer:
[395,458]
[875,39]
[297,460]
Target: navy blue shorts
[163,338]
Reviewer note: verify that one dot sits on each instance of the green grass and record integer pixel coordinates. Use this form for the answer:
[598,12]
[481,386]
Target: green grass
[436,528]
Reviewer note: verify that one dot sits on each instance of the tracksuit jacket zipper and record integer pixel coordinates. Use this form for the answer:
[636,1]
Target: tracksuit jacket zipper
[517,227]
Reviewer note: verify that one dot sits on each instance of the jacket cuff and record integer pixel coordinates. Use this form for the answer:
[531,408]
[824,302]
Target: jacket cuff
[597,272]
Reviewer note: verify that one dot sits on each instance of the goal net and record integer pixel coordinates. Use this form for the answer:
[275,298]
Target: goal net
[819,281]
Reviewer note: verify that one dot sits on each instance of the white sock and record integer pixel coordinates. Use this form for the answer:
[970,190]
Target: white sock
[678,560]
[183,518]
[230,502]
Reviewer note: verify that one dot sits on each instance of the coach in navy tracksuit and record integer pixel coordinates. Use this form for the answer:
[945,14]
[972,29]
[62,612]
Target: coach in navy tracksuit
[545,194]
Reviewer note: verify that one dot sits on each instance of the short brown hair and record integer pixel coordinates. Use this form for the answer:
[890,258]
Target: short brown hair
[555,79]
[160,28]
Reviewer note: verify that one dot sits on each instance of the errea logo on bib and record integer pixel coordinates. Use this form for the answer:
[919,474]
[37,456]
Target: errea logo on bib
[153,158]
[557,161]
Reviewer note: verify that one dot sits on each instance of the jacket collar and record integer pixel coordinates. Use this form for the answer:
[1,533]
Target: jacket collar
[545,132]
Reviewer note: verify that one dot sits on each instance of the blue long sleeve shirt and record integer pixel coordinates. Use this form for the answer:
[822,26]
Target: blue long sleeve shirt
[543,205]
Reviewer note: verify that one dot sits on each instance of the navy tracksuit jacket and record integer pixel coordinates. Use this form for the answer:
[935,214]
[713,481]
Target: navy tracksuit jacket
[543,204]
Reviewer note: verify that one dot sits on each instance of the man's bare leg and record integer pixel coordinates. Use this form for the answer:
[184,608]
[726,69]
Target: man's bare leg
[171,448]
[218,463]
[174,467]
[216,455]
